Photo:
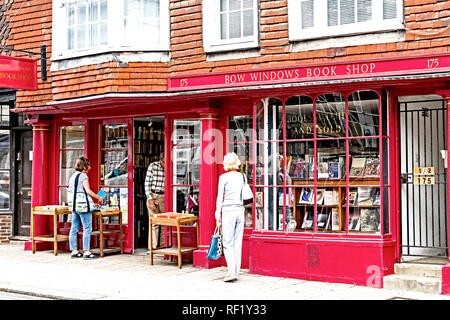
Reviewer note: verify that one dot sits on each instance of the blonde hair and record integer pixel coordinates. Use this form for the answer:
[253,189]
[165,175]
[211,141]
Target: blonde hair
[231,161]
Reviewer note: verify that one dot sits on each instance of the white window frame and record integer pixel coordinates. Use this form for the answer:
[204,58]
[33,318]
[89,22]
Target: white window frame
[322,30]
[116,33]
[211,30]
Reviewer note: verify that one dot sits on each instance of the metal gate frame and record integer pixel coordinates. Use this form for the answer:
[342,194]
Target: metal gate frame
[442,241]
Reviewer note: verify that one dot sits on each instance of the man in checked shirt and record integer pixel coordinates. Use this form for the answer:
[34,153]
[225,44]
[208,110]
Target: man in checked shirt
[154,190]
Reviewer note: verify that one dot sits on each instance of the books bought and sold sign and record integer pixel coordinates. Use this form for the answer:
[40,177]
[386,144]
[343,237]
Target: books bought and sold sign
[18,73]
[389,66]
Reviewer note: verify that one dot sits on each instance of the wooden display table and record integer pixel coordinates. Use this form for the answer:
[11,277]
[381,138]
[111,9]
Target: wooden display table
[53,211]
[172,219]
[99,214]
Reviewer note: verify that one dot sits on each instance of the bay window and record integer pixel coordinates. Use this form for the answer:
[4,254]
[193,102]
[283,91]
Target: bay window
[84,27]
[321,163]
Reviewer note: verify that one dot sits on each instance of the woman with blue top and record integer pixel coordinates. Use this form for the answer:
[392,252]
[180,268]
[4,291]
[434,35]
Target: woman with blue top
[230,214]
[81,205]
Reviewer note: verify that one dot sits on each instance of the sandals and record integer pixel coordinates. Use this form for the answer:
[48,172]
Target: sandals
[76,255]
[90,256]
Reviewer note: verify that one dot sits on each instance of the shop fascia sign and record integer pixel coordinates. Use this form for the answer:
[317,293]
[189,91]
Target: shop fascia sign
[18,73]
[390,66]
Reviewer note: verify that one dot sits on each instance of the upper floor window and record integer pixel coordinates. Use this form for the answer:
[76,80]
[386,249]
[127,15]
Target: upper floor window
[83,27]
[230,24]
[323,18]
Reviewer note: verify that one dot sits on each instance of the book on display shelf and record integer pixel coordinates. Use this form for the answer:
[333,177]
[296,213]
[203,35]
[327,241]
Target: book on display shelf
[334,219]
[322,170]
[357,167]
[352,196]
[331,197]
[369,220]
[372,168]
[306,196]
[319,197]
[322,219]
[354,223]
[308,220]
[368,196]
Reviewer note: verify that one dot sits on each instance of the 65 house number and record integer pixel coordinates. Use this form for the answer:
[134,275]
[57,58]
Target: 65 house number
[253,309]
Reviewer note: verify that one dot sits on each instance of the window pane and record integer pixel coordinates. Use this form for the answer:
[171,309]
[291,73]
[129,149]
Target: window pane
[81,36]
[331,158]
[223,25]
[363,114]
[299,118]
[248,4]
[269,119]
[248,23]
[4,189]
[67,164]
[186,199]
[4,115]
[365,160]
[223,5]
[81,10]
[332,8]
[364,209]
[240,129]
[235,5]
[364,10]
[269,157]
[389,9]
[347,11]
[72,137]
[307,14]
[299,162]
[4,149]
[330,115]
[269,209]
[186,164]
[235,25]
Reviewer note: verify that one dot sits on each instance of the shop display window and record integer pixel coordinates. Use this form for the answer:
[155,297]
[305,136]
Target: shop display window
[240,136]
[186,165]
[318,165]
[71,147]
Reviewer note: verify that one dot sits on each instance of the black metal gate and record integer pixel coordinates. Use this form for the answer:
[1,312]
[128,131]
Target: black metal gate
[423,144]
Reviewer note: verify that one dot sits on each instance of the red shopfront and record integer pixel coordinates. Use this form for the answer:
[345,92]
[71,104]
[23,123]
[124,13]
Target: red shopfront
[305,135]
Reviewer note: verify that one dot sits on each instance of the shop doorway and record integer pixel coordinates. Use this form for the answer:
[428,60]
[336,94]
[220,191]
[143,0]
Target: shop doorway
[148,140]
[23,159]
[423,180]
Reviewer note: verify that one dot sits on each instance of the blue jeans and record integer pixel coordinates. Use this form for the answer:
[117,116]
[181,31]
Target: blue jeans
[78,219]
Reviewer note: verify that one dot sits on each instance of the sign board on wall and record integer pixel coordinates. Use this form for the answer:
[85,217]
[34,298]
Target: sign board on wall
[18,73]
[389,66]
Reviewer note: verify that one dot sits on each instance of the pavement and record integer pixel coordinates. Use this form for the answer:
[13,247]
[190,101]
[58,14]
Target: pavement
[130,277]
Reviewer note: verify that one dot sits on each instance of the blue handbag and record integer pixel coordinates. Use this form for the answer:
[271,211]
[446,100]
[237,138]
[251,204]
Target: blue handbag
[215,250]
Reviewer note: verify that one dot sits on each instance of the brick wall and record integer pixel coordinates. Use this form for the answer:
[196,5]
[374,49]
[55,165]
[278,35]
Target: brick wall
[5,228]
[426,23]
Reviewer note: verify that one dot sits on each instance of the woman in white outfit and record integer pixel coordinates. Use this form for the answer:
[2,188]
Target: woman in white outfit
[229,203]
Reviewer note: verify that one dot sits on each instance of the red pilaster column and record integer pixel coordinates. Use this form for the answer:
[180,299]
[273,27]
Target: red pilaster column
[39,182]
[446,268]
[211,146]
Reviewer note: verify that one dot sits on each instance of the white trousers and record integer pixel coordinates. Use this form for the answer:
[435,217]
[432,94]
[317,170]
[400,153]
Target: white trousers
[232,234]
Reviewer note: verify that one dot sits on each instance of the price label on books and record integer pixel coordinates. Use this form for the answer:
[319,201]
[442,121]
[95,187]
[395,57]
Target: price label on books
[427,180]
[424,171]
